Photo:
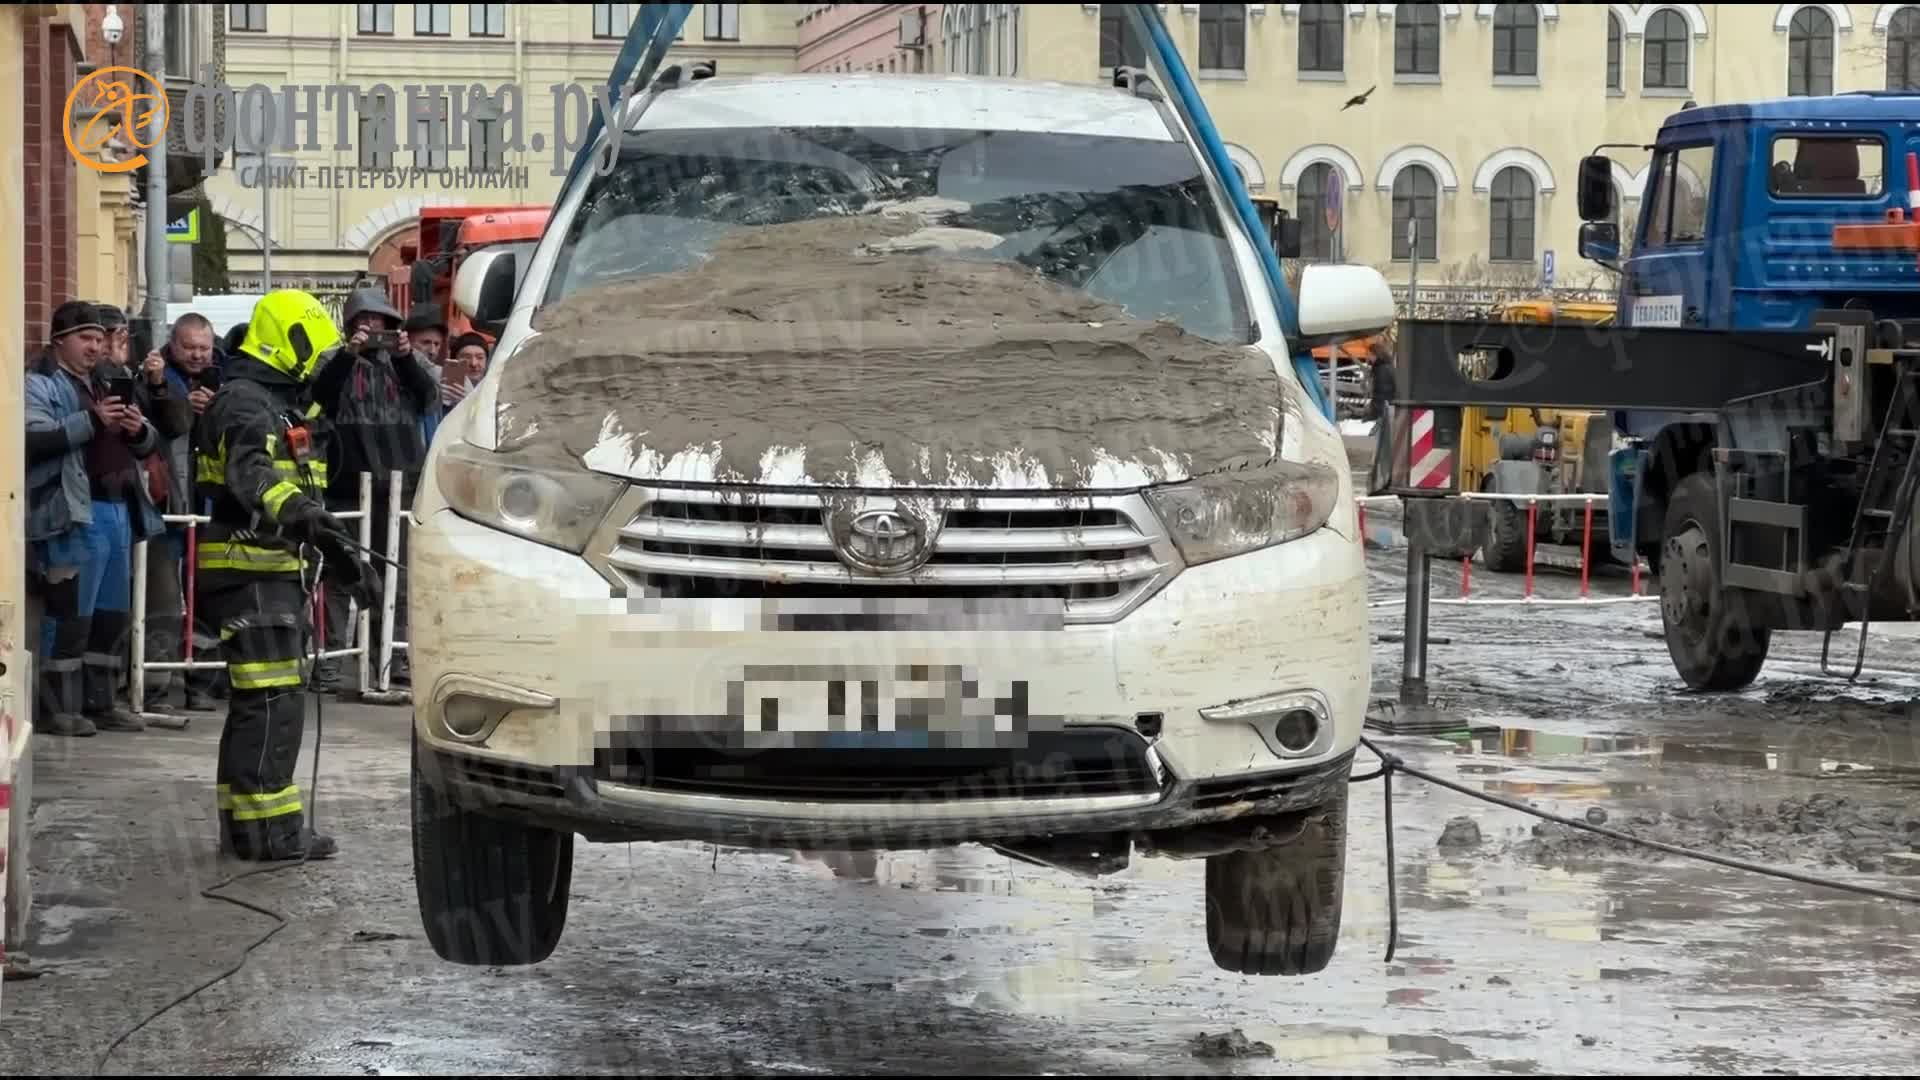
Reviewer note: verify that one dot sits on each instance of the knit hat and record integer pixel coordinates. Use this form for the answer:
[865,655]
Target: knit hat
[110,316]
[72,316]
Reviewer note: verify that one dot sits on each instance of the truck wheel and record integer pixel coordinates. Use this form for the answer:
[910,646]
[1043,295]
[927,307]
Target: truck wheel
[491,892]
[1277,911]
[1505,551]
[1714,645]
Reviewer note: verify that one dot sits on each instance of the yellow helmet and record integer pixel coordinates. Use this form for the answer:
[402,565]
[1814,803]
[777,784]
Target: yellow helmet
[290,331]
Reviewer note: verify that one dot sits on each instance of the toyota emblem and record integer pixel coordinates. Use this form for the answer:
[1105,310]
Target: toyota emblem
[883,542]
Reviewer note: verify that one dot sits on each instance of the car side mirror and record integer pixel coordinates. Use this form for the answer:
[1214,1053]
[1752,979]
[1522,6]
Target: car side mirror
[1595,194]
[484,287]
[1600,241]
[1340,302]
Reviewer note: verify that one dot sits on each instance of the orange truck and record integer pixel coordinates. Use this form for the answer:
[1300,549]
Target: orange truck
[446,236]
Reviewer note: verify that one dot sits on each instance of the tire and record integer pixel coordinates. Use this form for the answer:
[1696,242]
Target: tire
[1277,911]
[1713,642]
[491,892]
[1505,551]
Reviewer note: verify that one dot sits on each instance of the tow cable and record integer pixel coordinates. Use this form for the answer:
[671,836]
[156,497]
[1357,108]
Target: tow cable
[315,648]
[1392,763]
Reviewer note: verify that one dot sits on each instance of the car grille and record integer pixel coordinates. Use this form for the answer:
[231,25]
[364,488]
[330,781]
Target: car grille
[1085,763]
[1095,556]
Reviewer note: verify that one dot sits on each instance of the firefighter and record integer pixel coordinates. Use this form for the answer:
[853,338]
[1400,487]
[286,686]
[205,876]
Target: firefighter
[261,463]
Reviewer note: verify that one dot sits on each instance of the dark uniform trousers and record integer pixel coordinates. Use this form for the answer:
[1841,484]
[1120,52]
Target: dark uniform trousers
[254,590]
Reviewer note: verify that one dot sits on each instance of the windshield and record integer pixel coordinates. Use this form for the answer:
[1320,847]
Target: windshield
[1063,224]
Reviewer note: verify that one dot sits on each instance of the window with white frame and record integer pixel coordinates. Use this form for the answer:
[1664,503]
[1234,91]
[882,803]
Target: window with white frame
[1516,41]
[1223,37]
[1616,35]
[1323,37]
[433,20]
[1119,45]
[375,18]
[1416,39]
[487,20]
[722,22]
[1810,53]
[1416,200]
[1664,51]
[1903,50]
[610,20]
[1510,222]
[251,18]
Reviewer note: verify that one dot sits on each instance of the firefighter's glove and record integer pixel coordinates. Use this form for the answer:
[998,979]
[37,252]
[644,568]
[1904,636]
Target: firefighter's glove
[306,519]
[353,575]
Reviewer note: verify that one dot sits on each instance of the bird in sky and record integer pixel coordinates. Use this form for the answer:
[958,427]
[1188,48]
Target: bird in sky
[1358,99]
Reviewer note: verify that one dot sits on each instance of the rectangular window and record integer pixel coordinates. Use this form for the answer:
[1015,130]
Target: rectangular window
[1516,43]
[376,18]
[433,20]
[610,20]
[1830,167]
[375,118]
[181,23]
[1416,39]
[723,22]
[1323,37]
[1223,37]
[247,17]
[486,148]
[1681,191]
[487,20]
[429,136]
[1119,45]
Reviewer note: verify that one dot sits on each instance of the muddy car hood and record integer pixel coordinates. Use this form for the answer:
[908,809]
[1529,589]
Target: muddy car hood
[1087,406]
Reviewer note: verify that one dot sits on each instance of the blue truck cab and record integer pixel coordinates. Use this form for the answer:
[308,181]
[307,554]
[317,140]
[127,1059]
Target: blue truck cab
[1735,232]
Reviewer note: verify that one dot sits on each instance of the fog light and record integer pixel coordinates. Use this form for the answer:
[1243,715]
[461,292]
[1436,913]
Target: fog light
[1296,730]
[470,717]
[1293,724]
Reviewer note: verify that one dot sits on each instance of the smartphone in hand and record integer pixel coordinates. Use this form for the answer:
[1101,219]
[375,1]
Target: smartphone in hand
[121,386]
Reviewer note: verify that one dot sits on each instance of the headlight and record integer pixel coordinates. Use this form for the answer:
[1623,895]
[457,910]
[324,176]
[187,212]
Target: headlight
[1232,513]
[553,503]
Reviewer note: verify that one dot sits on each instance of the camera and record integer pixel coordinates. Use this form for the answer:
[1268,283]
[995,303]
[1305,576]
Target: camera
[382,340]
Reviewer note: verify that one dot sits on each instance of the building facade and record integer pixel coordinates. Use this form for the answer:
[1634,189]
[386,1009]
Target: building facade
[325,226]
[1468,120]
[886,38]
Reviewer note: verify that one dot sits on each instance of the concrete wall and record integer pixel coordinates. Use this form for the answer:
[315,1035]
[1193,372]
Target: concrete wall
[330,232]
[1463,123]
[866,37]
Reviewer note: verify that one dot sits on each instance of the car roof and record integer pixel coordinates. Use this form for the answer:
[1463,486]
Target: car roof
[910,101]
[1857,106]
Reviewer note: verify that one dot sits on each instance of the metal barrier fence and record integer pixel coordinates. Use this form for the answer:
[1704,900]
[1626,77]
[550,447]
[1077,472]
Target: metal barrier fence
[1528,597]
[138,632]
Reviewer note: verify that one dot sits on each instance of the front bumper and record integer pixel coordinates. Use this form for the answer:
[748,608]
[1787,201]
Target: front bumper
[559,670]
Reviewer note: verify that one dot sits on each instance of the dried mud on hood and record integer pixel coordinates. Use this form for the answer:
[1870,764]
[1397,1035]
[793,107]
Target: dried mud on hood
[843,352]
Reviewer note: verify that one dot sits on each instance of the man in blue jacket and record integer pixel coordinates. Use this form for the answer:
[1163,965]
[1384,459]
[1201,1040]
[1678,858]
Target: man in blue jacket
[87,503]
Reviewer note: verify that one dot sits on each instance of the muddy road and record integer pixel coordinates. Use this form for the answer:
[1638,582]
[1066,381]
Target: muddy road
[1519,952]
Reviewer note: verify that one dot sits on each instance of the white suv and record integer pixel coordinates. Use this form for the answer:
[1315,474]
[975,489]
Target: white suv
[892,462]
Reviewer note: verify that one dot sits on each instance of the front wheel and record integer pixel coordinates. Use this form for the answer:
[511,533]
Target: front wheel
[491,892]
[1714,643]
[1277,911]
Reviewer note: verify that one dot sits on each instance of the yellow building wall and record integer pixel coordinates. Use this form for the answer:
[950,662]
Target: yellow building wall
[329,231]
[105,254]
[1283,120]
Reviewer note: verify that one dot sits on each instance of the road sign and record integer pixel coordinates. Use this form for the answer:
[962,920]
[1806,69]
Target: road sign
[184,229]
[1546,270]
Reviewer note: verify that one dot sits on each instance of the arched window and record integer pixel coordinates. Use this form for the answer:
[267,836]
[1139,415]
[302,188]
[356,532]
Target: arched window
[1903,50]
[1810,53]
[1615,34]
[1510,227]
[1416,199]
[1311,198]
[1516,40]
[1416,39]
[1323,37]
[1665,51]
[1119,45]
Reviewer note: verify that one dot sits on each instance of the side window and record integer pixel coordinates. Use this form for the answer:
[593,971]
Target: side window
[1681,197]
[1828,167]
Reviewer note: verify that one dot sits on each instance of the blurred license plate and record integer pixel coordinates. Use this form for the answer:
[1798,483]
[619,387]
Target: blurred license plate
[872,706]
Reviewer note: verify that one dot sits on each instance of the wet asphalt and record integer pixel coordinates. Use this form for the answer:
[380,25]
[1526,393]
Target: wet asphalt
[1519,953]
